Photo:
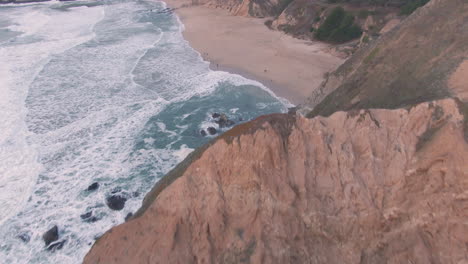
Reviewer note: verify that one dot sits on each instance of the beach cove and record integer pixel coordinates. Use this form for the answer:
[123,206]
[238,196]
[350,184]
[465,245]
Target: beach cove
[290,67]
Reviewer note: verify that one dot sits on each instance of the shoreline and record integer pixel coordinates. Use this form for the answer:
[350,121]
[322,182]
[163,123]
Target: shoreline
[291,68]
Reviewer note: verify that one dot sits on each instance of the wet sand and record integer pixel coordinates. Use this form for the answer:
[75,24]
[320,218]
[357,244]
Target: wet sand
[290,67]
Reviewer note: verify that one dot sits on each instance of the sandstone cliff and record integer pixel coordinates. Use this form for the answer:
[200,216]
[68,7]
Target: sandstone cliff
[362,185]
[368,186]
[301,18]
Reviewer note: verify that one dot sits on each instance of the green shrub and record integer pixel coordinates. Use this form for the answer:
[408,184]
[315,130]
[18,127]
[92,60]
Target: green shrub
[365,39]
[363,14]
[411,6]
[338,27]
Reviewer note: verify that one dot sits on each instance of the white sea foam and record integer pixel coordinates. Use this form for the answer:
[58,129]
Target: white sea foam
[183,152]
[19,167]
[91,89]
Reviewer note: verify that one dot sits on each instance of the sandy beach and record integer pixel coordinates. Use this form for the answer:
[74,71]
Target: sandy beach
[290,67]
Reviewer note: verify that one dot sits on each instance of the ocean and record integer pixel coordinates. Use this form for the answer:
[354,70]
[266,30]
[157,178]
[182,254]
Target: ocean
[99,91]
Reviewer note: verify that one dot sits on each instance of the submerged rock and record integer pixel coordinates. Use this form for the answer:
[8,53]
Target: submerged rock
[212,130]
[116,202]
[215,115]
[88,217]
[56,246]
[203,133]
[25,237]
[224,121]
[116,190]
[51,235]
[292,110]
[128,217]
[93,187]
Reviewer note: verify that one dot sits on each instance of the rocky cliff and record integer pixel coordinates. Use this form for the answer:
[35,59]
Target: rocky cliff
[424,58]
[384,181]
[302,18]
[368,186]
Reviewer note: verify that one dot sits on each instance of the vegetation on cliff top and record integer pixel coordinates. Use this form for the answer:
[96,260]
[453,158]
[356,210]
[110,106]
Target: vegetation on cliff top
[411,6]
[338,27]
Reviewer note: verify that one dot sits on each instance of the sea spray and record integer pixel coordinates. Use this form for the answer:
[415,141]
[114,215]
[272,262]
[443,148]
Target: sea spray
[106,93]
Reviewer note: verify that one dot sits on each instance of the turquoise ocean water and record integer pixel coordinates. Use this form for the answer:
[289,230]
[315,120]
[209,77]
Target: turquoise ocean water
[98,91]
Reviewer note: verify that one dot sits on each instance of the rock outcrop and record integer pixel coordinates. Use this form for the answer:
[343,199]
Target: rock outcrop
[51,235]
[418,61]
[364,186]
[378,173]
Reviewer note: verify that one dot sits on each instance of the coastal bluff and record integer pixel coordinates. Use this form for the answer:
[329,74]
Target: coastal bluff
[367,186]
[376,171]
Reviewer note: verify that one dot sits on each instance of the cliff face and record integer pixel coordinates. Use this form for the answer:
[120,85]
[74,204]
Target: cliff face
[416,62]
[368,186]
[302,18]
[361,186]
[254,8]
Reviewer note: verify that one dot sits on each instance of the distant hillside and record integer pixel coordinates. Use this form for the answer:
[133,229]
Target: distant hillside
[423,59]
[305,18]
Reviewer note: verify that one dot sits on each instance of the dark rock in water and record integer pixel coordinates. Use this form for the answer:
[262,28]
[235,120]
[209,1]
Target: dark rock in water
[136,194]
[116,202]
[212,130]
[56,246]
[241,119]
[230,123]
[51,235]
[203,132]
[129,215]
[224,121]
[215,115]
[116,190]
[93,187]
[89,218]
[25,237]
[92,219]
[86,215]
[292,110]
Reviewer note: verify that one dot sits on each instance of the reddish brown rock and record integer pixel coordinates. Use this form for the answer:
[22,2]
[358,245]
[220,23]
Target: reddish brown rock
[369,186]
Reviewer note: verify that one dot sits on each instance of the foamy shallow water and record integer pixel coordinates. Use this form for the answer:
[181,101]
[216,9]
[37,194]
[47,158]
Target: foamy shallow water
[105,92]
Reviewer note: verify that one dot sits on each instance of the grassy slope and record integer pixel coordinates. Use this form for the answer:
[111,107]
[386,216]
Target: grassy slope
[408,65]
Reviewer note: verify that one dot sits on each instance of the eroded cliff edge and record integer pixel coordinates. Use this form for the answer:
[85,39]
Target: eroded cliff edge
[367,186]
[350,184]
